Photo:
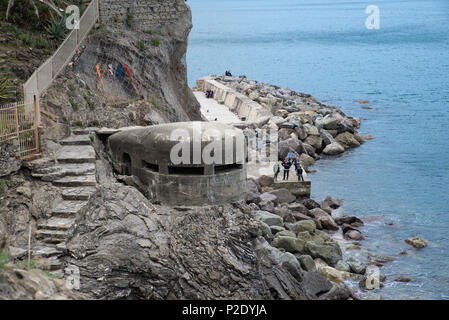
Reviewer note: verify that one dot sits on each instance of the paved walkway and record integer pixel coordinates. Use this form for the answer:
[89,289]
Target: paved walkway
[212,110]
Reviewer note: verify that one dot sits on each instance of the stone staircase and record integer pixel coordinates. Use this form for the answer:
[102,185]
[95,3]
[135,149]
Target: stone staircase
[73,171]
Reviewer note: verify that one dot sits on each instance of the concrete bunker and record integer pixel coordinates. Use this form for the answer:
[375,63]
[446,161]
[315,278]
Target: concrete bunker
[184,163]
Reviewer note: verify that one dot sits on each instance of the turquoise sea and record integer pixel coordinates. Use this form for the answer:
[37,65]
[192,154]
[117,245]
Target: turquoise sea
[323,48]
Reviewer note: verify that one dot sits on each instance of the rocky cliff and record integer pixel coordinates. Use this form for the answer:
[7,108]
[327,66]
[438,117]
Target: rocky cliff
[129,72]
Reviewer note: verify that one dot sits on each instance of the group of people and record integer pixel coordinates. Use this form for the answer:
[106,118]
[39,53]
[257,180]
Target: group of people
[209,94]
[228,73]
[289,161]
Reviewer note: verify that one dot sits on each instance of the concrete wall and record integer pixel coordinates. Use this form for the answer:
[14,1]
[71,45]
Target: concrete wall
[244,106]
[146,14]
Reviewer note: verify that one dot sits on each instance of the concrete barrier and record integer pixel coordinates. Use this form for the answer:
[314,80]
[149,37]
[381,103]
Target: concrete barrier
[247,109]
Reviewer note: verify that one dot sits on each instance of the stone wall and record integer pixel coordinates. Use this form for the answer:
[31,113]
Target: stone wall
[146,14]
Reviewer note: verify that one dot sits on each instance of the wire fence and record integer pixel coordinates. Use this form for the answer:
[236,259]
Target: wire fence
[19,121]
[43,77]
[19,126]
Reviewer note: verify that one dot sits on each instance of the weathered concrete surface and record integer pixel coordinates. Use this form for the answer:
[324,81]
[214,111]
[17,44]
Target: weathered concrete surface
[76,154]
[146,153]
[211,110]
[247,109]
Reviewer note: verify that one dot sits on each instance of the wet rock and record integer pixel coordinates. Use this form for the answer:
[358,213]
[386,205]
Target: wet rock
[347,139]
[332,274]
[327,137]
[330,123]
[351,220]
[333,149]
[343,266]
[325,219]
[417,242]
[329,252]
[310,204]
[402,279]
[356,265]
[369,137]
[332,202]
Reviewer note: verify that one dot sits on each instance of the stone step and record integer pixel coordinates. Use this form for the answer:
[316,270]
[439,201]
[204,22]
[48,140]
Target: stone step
[80,193]
[39,163]
[55,223]
[49,177]
[52,264]
[51,236]
[69,169]
[68,208]
[62,246]
[76,154]
[47,252]
[76,140]
[84,131]
[76,181]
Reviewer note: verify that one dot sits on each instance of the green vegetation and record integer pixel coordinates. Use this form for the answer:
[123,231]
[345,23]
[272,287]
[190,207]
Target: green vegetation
[78,123]
[110,157]
[115,19]
[149,31]
[155,102]
[92,138]
[95,123]
[57,28]
[41,43]
[129,19]
[50,275]
[3,259]
[64,118]
[55,140]
[89,102]
[73,103]
[5,92]
[142,45]
[155,42]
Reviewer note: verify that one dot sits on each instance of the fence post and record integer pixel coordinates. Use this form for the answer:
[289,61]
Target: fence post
[36,122]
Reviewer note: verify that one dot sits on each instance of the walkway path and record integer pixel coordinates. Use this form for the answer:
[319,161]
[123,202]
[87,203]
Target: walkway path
[211,109]
[73,171]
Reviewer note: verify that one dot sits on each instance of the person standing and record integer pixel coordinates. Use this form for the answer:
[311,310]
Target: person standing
[259,147]
[299,171]
[276,170]
[286,164]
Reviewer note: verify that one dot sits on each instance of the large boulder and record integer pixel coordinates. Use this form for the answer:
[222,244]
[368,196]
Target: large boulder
[330,123]
[356,265]
[289,244]
[329,251]
[327,137]
[310,203]
[347,139]
[307,262]
[299,207]
[333,149]
[325,219]
[268,218]
[306,160]
[416,242]
[332,202]
[351,220]
[283,195]
[315,141]
[265,181]
[301,132]
[305,225]
[311,130]
[284,134]
[267,196]
[291,144]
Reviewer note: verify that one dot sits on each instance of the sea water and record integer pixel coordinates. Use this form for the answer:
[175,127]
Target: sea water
[324,48]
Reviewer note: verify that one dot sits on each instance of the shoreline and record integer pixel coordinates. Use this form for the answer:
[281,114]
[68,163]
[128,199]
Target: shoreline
[307,127]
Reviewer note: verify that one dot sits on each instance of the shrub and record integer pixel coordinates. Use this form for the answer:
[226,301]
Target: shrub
[142,45]
[155,42]
[57,28]
[41,43]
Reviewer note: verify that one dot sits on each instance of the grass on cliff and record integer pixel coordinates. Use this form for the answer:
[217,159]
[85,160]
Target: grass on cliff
[3,259]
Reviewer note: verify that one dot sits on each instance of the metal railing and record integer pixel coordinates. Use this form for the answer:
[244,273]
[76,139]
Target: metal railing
[19,121]
[19,126]
[43,77]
